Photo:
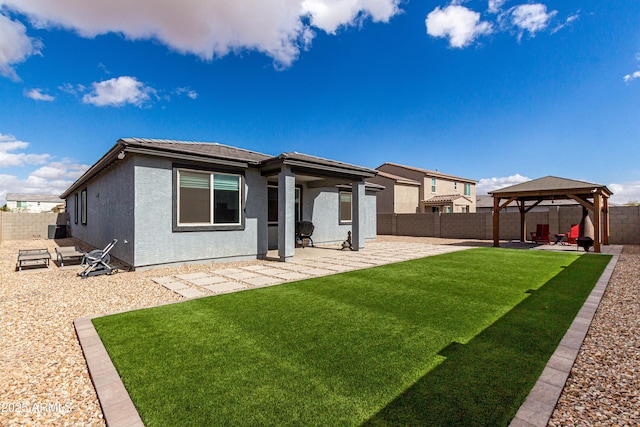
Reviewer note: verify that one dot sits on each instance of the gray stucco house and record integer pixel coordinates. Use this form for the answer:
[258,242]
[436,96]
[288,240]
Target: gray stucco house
[174,202]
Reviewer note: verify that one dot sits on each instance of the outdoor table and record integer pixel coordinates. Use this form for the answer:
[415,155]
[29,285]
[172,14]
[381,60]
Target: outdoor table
[559,238]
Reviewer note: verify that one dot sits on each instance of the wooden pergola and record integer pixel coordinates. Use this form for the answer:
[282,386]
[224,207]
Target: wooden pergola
[527,195]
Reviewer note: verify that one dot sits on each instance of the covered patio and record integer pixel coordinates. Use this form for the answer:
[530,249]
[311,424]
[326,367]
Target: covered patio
[593,198]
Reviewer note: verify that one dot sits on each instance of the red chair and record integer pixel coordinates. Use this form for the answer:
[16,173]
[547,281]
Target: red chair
[541,235]
[572,236]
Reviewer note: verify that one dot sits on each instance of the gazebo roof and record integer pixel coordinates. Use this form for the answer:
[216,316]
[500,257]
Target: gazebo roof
[550,186]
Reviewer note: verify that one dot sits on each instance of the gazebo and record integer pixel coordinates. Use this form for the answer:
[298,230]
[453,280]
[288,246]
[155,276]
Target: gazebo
[527,195]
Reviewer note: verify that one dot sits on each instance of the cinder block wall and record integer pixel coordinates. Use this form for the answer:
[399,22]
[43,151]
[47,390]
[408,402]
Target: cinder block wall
[26,226]
[624,224]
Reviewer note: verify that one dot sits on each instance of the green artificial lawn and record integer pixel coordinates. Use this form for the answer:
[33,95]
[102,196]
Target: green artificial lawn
[453,339]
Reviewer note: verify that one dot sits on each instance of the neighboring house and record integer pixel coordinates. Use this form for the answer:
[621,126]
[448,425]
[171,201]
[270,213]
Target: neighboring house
[174,202]
[409,190]
[484,203]
[35,203]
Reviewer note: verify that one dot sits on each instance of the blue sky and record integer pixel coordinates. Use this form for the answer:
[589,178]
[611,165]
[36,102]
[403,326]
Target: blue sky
[499,91]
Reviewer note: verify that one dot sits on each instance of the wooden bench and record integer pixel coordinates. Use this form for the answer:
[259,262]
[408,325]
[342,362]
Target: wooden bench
[31,257]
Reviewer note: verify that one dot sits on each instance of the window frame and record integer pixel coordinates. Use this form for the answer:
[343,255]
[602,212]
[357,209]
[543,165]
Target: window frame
[76,209]
[340,220]
[211,226]
[467,189]
[433,185]
[83,207]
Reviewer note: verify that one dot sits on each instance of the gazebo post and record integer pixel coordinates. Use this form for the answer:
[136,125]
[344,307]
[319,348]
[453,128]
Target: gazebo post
[605,225]
[597,210]
[523,221]
[496,222]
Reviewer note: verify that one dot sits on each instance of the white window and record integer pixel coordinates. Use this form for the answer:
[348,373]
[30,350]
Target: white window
[467,189]
[345,207]
[206,198]
[433,185]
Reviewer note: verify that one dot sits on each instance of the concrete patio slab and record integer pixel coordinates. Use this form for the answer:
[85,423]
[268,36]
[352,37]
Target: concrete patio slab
[226,287]
[292,275]
[190,293]
[191,276]
[209,280]
[241,275]
[175,286]
[163,280]
[262,281]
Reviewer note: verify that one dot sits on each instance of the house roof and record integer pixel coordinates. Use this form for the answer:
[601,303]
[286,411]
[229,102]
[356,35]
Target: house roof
[27,197]
[445,198]
[207,149]
[429,173]
[398,179]
[213,152]
[550,185]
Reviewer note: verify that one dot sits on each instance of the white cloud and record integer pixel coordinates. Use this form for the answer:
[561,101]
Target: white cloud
[15,45]
[457,23]
[207,28]
[630,77]
[495,5]
[10,143]
[531,17]
[37,95]
[119,91]
[51,178]
[187,91]
[489,184]
[625,192]
[329,15]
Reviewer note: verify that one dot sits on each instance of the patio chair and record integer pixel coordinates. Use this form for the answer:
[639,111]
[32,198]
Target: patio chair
[69,253]
[97,261]
[541,235]
[304,230]
[573,234]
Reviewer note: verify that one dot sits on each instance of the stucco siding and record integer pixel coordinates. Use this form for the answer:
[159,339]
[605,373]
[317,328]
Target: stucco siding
[406,199]
[110,210]
[156,241]
[321,205]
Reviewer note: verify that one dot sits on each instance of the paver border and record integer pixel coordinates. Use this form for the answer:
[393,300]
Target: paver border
[538,407]
[119,411]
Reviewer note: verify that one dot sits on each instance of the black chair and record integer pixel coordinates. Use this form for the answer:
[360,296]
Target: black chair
[304,230]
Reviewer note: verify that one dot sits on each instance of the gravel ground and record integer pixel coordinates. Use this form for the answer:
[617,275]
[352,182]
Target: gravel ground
[603,388]
[45,381]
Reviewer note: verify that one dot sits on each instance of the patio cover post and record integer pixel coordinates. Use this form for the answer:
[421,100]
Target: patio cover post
[357,222]
[286,213]
[496,222]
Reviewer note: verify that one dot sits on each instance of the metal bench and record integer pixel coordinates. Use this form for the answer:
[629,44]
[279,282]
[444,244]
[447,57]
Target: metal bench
[69,253]
[33,257]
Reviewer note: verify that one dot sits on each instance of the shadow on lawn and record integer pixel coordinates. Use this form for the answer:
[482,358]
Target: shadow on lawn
[484,382]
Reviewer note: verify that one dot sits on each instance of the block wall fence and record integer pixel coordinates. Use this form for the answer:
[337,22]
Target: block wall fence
[624,224]
[28,226]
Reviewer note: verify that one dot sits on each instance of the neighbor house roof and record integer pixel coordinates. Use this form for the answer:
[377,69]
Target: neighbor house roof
[429,173]
[550,185]
[445,198]
[27,197]
[398,179]
[215,153]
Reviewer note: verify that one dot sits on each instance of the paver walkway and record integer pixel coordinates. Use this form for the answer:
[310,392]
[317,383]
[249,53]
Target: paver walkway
[309,262]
